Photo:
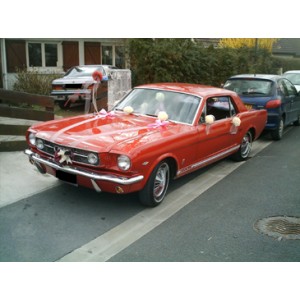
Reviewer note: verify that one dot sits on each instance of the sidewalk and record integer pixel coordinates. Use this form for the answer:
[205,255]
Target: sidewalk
[20,179]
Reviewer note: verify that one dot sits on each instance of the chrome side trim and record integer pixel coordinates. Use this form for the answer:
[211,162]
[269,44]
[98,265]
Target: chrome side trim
[205,161]
[72,170]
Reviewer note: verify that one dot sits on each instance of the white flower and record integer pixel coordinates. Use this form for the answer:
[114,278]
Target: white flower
[209,119]
[236,121]
[162,116]
[128,109]
[160,96]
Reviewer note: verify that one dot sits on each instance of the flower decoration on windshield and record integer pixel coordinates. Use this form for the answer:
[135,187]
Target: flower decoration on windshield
[128,110]
[63,156]
[236,122]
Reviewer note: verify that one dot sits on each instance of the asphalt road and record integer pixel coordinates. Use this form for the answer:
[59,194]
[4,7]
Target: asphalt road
[214,226]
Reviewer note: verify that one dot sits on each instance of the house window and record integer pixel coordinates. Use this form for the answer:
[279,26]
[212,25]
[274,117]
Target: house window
[107,55]
[42,54]
[120,57]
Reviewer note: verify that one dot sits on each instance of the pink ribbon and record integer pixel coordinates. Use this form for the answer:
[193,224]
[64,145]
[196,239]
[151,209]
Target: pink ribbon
[158,123]
[103,113]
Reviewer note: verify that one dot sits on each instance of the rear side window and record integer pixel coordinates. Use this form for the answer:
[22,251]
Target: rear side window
[248,86]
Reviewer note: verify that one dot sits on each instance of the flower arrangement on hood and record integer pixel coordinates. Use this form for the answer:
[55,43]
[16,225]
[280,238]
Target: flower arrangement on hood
[128,110]
[162,118]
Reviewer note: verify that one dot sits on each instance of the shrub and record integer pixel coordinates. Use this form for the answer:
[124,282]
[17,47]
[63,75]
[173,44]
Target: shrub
[34,82]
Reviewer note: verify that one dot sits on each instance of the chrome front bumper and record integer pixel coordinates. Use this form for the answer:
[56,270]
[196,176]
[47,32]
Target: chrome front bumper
[35,158]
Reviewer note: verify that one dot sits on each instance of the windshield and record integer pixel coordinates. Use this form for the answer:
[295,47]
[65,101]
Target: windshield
[83,71]
[178,106]
[294,78]
[245,86]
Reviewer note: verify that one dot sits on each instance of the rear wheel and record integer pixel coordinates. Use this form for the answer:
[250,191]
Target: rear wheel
[245,148]
[156,187]
[278,132]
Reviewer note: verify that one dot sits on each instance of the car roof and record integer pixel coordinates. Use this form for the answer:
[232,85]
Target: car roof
[96,66]
[258,76]
[188,88]
[292,71]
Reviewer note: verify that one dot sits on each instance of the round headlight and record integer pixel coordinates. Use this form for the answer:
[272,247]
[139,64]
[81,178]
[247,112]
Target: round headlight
[32,138]
[124,162]
[40,144]
[92,158]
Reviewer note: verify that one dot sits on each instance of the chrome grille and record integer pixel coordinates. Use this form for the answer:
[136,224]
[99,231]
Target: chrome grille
[77,155]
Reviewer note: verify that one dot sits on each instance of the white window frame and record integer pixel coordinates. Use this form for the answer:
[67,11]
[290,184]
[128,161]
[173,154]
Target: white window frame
[44,68]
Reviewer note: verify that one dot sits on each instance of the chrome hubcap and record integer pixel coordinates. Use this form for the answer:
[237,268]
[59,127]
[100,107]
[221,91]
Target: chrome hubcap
[161,182]
[246,145]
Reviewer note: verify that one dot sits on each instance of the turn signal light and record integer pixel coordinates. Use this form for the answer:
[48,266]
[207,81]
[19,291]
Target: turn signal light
[273,103]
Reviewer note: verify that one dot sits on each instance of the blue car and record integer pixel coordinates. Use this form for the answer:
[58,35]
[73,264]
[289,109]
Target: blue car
[274,93]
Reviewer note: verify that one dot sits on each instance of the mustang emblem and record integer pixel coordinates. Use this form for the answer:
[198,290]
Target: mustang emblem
[63,155]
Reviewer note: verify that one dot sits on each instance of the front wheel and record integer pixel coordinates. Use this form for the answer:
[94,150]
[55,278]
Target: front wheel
[156,187]
[297,122]
[245,148]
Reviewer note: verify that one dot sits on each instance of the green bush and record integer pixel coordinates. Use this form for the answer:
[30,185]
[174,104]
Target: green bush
[183,60]
[34,82]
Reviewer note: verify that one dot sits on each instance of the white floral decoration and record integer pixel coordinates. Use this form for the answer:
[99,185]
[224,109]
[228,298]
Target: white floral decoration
[236,121]
[160,96]
[209,119]
[162,116]
[128,110]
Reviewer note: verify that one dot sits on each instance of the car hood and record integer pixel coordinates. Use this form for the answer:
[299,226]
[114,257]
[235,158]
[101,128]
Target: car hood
[74,80]
[118,132]
[70,80]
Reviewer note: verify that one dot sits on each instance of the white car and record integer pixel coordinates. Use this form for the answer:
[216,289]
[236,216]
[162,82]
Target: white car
[294,78]
[77,84]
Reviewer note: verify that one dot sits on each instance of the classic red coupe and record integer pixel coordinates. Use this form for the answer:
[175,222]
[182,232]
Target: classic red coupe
[157,132]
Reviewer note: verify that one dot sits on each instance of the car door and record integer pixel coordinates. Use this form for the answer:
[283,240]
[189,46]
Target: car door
[216,139]
[286,100]
[294,99]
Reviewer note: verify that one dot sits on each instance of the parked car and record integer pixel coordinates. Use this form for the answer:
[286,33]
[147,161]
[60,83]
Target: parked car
[272,92]
[157,132]
[294,78]
[77,84]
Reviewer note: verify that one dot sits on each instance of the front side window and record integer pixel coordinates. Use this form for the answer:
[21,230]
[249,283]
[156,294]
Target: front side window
[219,107]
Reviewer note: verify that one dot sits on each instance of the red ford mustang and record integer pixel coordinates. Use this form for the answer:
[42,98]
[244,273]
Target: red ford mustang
[156,133]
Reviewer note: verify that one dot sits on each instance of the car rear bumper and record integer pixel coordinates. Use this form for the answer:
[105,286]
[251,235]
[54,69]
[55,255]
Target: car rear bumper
[62,94]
